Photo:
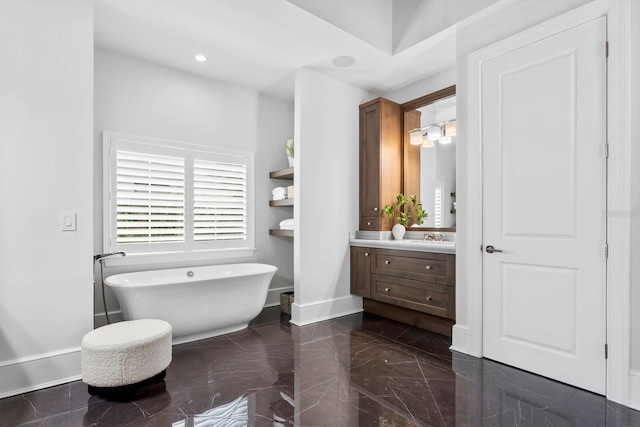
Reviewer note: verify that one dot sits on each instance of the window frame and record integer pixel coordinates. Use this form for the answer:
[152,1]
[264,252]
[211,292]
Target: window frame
[186,250]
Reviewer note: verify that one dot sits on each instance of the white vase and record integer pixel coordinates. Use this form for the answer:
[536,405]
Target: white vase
[398,231]
[290,161]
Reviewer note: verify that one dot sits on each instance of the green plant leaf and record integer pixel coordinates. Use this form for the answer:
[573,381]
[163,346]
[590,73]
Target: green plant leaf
[405,209]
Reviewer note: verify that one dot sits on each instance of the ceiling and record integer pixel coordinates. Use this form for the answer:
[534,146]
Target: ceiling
[259,44]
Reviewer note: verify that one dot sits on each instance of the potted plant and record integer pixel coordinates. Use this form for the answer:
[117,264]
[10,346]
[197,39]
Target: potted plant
[403,211]
[291,150]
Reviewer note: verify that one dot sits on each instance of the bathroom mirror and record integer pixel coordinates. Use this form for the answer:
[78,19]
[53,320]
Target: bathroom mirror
[429,156]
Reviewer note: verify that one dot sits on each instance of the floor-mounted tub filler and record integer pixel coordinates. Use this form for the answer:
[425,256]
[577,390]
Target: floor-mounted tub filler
[198,302]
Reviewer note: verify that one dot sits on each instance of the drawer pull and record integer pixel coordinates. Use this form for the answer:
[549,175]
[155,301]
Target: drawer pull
[387,289]
[386,261]
[368,222]
[428,267]
[429,298]
[366,254]
[375,209]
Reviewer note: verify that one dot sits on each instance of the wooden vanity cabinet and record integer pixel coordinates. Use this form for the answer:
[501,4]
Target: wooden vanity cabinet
[361,271]
[380,161]
[412,287]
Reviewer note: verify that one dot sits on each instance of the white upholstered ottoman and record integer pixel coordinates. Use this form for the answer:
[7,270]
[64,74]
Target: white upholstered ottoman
[125,353]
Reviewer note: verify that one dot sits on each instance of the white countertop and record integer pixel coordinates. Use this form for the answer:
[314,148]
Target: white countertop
[407,245]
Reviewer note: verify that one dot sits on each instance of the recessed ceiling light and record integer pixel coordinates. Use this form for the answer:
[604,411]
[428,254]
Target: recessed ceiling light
[201,58]
[344,61]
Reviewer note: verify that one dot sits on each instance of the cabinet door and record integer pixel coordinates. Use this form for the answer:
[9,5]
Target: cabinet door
[361,271]
[370,162]
[380,160]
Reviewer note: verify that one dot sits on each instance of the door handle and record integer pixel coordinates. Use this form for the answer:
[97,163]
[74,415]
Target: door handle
[490,249]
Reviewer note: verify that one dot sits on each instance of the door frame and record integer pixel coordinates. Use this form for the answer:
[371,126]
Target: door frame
[618,179]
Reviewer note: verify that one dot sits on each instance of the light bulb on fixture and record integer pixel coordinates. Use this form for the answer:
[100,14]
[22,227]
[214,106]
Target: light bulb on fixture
[450,128]
[434,133]
[415,137]
[201,58]
[427,143]
[445,140]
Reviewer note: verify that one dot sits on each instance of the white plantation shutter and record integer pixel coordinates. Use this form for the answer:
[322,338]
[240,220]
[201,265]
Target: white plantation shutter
[437,210]
[219,201]
[150,198]
[168,197]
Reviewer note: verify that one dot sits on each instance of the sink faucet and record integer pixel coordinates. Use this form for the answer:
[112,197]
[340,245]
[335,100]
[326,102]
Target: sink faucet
[441,237]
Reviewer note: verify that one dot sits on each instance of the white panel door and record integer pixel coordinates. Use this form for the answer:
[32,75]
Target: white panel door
[544,199]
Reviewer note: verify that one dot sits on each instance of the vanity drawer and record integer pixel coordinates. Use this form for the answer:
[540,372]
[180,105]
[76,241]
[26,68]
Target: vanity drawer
[426,297]
[431,267]
[370,223]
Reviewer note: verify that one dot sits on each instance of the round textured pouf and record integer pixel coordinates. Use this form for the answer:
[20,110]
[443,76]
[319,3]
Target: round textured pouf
[123,355]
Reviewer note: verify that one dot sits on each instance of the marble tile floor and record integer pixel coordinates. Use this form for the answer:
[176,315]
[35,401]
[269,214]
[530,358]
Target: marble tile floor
[359,370]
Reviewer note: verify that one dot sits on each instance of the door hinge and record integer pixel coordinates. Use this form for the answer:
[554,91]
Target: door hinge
[606,250]
[606,49]
[606,351]
[606,150]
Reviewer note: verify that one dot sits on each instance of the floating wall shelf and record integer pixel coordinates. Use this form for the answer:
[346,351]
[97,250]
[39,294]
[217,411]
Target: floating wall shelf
[287,174]
[282,233]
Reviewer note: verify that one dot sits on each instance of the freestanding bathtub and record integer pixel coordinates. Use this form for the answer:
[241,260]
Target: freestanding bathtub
[198,302]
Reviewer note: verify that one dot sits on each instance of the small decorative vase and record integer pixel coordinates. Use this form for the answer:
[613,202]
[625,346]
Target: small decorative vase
[398,231]
[290,161]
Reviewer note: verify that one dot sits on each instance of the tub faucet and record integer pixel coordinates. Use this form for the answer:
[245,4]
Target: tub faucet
[100,257]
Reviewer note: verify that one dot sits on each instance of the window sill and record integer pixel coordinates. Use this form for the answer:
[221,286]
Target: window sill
[176,257]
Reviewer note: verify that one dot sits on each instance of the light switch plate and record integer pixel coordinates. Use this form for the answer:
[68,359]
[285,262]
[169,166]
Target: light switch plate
[68,221]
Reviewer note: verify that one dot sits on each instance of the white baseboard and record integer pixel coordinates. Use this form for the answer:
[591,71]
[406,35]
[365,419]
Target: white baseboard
[460,339]
[306,314]
[40,371]
[634,389]
[99,319]
[273,296]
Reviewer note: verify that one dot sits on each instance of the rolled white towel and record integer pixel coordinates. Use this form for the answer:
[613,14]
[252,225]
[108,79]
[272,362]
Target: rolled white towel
[286,224]
[279,193]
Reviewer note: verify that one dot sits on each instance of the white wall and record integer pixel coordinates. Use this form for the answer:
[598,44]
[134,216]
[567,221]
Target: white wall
[418,20]
[144,99]
[375,29]
[326,210]
[46,105]
[425,86]
[635,189]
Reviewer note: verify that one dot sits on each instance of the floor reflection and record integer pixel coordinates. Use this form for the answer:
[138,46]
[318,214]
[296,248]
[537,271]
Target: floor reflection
[358,370]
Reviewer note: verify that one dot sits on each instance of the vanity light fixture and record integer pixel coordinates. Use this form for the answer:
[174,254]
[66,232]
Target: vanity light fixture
[428,135]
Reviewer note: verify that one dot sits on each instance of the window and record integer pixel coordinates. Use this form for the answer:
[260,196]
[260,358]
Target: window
[437,213]
[169,197]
